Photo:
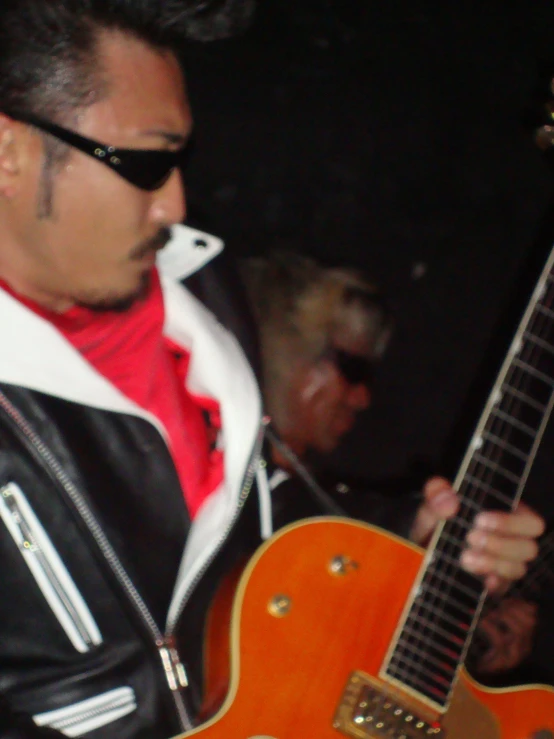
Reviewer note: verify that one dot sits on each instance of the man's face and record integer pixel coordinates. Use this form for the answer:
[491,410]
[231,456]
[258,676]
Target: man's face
[327,400]
[98,243]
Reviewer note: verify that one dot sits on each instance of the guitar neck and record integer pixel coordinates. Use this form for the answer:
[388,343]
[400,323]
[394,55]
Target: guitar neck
[435,631]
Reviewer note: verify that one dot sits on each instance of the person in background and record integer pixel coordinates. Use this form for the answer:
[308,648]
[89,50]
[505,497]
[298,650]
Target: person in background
[323,332]
[130,418]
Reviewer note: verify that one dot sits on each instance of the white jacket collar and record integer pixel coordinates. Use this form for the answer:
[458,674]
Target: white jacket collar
[187,252]
[36,356]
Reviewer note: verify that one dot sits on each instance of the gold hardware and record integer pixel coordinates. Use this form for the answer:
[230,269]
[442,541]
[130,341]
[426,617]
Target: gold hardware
[279,605]
[370,709]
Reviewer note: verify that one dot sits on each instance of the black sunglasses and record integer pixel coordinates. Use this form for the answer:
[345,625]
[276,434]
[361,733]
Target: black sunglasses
[148,169]
[354,368]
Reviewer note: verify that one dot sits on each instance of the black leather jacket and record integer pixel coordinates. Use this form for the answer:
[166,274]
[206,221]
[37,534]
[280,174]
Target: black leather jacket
[96,590]
[101,611]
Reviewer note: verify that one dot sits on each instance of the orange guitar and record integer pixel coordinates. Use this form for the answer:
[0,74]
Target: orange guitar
[339,629]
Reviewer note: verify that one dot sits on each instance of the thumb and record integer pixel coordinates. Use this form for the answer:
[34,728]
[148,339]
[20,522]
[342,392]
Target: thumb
[439,502]
[440,497]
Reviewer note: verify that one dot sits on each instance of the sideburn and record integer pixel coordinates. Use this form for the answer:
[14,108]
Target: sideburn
[45,201]
[55,153]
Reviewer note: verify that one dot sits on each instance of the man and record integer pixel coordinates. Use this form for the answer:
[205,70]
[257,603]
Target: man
[130,421]
[323,332]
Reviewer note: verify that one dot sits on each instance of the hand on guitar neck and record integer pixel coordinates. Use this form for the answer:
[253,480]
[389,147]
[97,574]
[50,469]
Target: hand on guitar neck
[499,545]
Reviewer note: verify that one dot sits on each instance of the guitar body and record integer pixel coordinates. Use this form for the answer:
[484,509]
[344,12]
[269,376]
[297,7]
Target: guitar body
[321,600]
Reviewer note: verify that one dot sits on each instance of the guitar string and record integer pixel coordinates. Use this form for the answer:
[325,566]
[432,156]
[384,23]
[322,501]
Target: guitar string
[490,474]
[539,570]
[415,664]
[439,590]
[498,448]
[545,346]
[529,332]
[529,348]
[514,401]
[541,567]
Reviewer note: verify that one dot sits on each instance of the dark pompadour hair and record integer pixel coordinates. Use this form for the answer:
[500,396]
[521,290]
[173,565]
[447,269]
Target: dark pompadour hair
[47,60]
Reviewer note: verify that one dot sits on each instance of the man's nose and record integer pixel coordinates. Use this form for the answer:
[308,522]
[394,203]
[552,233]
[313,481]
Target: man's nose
[169,202]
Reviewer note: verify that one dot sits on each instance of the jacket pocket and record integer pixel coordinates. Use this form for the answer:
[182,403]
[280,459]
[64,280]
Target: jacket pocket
[48,570]
[90,714]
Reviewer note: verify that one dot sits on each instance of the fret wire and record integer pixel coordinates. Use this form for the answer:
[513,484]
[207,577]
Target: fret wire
[544,310]
[505,416]
[534,352]
[451,560]
[533,371]
[446,635]
[499,425]
[429,658]
[414,681]
[502,416]
[489,490]
[505,446]
[514,422]
[466,500]
[448,652]
[441,614]
[455,537]
[420,668]
[528,353]
[451,540]
[423,605]
[515,479]
[436,677]
[457,521]
[538,341]
[457,604]
[412,627]
[452,581]
[507,388]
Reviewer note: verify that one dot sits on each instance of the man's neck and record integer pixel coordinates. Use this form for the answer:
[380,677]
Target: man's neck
[36,298]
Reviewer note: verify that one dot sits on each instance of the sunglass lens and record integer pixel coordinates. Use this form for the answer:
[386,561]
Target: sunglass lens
[355,369]
[148,170]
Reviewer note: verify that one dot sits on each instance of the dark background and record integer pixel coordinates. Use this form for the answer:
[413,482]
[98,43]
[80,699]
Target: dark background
[397,136]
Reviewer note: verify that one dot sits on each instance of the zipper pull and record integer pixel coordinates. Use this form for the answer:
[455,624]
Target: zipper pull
[175,672]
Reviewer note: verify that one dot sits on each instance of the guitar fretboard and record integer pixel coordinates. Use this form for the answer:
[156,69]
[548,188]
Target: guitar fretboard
[434,635]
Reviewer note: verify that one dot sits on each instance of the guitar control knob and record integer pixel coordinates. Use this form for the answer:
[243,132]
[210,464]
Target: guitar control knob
[279,606]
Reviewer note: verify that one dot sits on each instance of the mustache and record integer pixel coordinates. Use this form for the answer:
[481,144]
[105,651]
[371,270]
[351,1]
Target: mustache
[154,244]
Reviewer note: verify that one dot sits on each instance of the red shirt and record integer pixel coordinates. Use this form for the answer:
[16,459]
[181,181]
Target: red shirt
[130,351]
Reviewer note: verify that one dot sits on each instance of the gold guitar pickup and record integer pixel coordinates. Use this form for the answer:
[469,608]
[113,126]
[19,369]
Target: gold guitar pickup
[371,710]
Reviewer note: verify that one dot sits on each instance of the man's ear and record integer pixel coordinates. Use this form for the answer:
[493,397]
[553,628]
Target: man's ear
[10,156]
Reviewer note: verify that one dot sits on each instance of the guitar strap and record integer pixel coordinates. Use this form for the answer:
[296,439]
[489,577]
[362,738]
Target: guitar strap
[319,495]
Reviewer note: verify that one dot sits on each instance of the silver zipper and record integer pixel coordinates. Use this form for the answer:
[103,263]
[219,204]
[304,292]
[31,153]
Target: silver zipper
[176,668]
[91,713]
[48,570]
[247,483]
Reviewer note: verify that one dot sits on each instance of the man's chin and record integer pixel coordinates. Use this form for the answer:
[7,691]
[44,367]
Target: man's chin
[116,303]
